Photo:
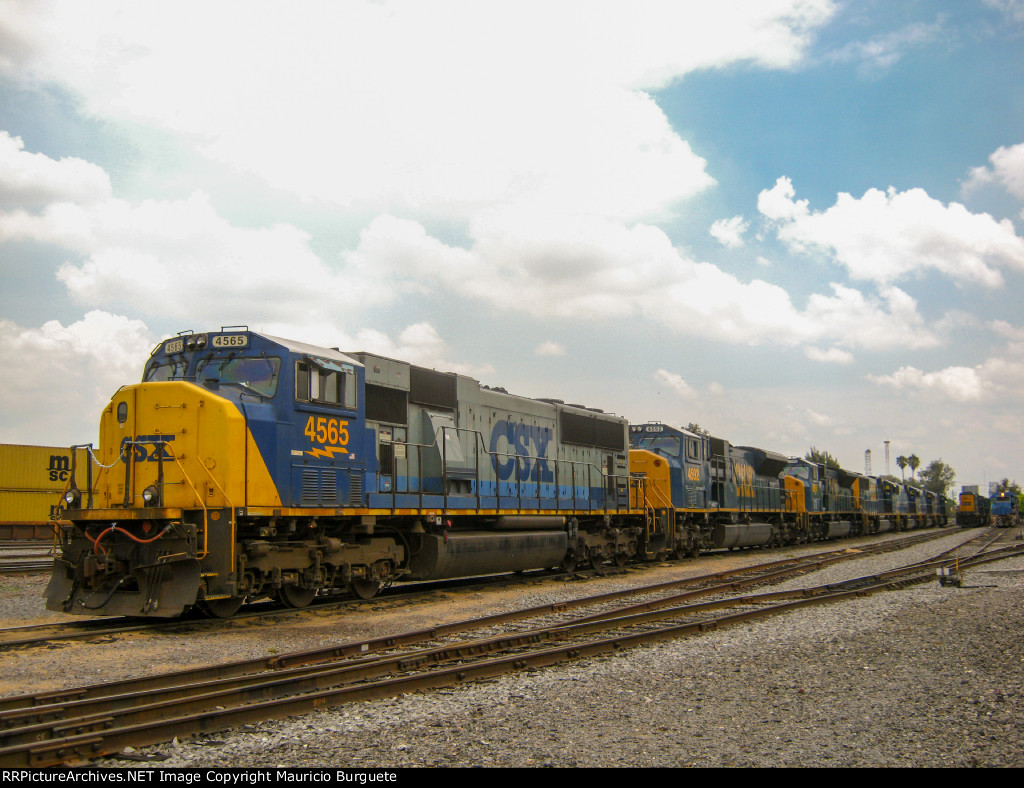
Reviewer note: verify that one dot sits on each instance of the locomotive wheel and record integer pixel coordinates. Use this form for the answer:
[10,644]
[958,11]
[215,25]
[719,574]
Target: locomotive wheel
[221,608]
[364,589]
[568,563]
[293,596]
[620,559]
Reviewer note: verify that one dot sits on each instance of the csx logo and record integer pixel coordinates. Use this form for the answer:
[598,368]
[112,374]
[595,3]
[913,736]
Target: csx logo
[744,480]
[148,453]
[524,440]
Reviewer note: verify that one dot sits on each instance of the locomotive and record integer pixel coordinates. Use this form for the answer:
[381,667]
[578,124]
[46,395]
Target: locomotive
[1005,509]
[247,466]
[974,510]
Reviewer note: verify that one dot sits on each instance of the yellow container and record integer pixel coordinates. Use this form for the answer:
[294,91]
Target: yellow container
[32,479]
[38,468]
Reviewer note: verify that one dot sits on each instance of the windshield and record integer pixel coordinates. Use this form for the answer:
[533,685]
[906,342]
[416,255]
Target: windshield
[170,370]
[257,375]
[663,445]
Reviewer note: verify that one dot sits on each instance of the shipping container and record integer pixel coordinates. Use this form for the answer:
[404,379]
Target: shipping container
[32,480]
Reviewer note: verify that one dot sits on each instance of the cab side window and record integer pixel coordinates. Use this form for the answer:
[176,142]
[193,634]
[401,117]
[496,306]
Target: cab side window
[326,386]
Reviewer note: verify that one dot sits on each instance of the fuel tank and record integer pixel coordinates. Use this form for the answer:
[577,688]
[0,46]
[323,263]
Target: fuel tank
[750,535]
[478,553]
[838,529]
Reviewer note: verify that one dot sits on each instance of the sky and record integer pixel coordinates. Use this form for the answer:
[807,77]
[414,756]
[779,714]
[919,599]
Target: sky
[797,223]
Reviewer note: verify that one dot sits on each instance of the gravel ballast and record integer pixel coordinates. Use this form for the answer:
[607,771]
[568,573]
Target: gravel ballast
[925,676]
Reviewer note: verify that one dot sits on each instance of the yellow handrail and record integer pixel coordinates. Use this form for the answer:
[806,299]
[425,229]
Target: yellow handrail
[206,511]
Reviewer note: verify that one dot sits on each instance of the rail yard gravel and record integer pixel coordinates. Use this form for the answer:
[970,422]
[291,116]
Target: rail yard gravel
[925,676]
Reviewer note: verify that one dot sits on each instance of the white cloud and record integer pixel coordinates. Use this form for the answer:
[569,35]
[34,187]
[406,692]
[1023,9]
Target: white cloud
[962,384]
[418,344]
[729,232]
[855,320]
[199,268]
[447,107]
[1007,170]
[184,257]
[820,419]
[882,52]
[675,383]
[581,267]
[1014,334]
[57,373]
[32,180]
[550,348]
[887,236]
[830,356]
[997,381]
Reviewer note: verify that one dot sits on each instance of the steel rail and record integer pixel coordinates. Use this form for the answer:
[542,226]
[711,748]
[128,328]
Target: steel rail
[356,649]
[56,705]
[37,634]
[88,738]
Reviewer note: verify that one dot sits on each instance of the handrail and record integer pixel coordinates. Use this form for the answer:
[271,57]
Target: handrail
[206,511]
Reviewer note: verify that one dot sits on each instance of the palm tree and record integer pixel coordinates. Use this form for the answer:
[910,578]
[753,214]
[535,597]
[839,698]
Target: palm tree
[914,462]
[902,462]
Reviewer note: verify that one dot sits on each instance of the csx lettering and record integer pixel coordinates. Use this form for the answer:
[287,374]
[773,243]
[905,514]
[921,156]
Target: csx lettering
[512,438]
[327,432]
[744,480]
[146,453]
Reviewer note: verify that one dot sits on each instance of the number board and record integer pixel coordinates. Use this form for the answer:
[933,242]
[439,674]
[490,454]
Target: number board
[231,340]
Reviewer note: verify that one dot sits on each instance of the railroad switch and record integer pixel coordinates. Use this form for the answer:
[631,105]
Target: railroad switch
[950,576]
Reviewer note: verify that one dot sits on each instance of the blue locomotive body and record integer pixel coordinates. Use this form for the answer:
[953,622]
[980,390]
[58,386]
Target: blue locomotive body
[1005,509]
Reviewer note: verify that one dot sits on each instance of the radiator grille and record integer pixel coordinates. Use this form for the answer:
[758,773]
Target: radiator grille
[319,487]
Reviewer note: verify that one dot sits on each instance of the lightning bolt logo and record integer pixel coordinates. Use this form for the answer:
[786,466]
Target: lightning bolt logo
[328,452]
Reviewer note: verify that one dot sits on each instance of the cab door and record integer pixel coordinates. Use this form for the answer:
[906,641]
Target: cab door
[327,458]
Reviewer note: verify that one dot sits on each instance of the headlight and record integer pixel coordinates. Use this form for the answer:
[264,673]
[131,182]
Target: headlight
[72,498]
[151,495]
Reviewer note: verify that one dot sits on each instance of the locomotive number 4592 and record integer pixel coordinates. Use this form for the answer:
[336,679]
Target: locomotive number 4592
[327,431]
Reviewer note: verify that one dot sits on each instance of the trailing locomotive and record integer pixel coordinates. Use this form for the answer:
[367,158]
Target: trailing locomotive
[726,496]
[248,466]
[974,510]
[1005,509]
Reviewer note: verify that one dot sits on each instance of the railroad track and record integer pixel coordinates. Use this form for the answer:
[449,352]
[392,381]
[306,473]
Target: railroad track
[37,635]
[25,567]
[25,557]
[74,725]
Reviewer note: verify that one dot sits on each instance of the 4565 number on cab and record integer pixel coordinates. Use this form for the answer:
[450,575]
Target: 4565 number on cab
[327,432]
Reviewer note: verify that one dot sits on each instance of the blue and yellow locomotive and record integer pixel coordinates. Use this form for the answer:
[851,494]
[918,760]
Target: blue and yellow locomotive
[974,510]
[247,466]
